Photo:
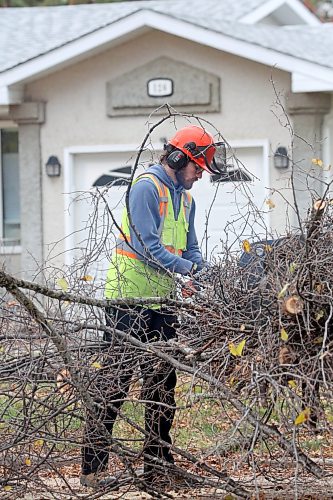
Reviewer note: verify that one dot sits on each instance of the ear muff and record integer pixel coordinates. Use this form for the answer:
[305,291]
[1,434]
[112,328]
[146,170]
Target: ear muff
[177,160]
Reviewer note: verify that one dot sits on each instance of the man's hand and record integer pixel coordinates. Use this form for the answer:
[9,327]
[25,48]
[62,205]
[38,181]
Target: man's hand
[202,275]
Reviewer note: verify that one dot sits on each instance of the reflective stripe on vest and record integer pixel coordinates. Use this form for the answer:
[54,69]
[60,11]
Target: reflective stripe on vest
[122,248]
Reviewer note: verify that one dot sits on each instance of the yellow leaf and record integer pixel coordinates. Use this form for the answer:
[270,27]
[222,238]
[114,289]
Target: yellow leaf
[283,290]
[317,161]
[87,277]
[237,350]
[7,487]
[246,246]
[268,248]
[284,335]
[319,315]
[96,365]
[232,381]
[27,462]
[229,497]
[242,328]
[318,340]
[270,203]
[293,267]
[292,384]
[63,283]
[38,443]
[302,417]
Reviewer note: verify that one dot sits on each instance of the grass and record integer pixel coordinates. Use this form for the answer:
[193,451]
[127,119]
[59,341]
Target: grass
[200,422]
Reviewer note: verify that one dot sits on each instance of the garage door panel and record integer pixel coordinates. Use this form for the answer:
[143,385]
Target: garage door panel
[230,211]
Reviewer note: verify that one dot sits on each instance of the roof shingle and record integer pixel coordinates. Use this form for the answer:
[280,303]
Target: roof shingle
[27,33]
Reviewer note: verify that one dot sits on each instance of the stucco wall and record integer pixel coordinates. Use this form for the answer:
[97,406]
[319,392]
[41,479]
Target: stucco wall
[328,143]
[76,109]
[11,263]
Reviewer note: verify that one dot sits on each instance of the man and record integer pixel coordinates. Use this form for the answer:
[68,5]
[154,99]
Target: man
[157,239]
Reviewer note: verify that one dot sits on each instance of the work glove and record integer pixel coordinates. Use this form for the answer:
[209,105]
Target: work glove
[202,276]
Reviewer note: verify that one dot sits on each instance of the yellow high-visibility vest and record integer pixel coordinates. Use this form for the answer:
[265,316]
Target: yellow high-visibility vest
[128,276]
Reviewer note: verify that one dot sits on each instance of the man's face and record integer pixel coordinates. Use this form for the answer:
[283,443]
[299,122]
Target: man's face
[188,175]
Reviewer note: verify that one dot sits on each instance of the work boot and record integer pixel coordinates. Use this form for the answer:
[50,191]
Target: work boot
[99,480]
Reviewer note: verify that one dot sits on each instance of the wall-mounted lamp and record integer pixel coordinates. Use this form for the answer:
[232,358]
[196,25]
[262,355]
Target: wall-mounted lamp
[281,159]
[53,167]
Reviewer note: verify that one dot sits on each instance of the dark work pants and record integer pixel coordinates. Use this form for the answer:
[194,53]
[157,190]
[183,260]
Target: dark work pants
[112,382]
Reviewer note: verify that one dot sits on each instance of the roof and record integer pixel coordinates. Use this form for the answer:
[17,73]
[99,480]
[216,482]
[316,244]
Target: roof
[310,43]
[39,31]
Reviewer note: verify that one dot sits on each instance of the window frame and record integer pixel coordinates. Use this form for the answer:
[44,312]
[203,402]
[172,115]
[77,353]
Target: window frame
[6,249]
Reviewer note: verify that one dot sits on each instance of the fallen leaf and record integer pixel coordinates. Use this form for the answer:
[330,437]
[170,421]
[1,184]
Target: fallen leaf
[319,314]
[62,381]
[242,328]
[268,248]
[302,417]
[96,365]
[237,350]
[292,384]
[63,283]
[285,356]
[284,335]
[27,461]
[7,487]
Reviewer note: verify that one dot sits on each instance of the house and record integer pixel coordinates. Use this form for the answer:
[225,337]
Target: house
[80,85]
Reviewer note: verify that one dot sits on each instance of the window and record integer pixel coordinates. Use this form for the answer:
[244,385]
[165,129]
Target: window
[10,224]
[231,174]
[118,177]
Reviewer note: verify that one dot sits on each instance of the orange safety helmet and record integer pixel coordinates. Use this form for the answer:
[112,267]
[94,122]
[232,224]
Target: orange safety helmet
[196,144]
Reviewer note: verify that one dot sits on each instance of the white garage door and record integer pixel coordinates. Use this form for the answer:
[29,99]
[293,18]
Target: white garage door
[226,209]
[230,208]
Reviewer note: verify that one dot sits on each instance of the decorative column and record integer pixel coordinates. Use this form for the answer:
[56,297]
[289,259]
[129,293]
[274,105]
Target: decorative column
[307,113]
[29,116]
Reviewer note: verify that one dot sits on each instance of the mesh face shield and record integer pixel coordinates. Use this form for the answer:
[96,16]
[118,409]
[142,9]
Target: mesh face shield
[211,158]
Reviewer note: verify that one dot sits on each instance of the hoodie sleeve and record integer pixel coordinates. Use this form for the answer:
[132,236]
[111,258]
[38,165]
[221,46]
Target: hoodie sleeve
[144,211]
[193,252]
